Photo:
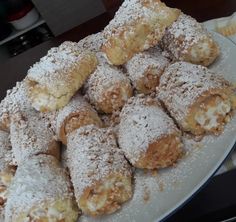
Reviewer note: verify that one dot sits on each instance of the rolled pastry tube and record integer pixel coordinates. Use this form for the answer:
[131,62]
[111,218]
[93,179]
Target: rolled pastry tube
[100,174]
[199,100]
[108,88]
[94,43]
[57,76]
[41,191]
[187,40]
[15,101]
[145,69]
[147,135]
[77,113]
[7,169]
[137,25]
[31,135]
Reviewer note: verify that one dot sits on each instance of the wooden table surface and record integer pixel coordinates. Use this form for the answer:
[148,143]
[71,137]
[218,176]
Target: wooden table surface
[16,68]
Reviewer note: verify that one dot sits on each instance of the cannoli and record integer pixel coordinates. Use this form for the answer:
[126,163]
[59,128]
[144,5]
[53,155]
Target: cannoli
[92,42]
[41,191]
[187,40]
[31,135]
[145,69]
[199,100]
[138,25]
[75,114]
[108,88]
[56,77]
[99,172]
[147,135]
[7,169]
[15,101]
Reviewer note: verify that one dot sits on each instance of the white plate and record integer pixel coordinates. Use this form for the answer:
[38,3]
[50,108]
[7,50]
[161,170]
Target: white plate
[157,196]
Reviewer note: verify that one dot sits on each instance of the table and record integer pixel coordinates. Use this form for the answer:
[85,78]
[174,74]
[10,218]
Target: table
[16,68]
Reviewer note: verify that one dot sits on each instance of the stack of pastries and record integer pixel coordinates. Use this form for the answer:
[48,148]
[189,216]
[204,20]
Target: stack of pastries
[146,75]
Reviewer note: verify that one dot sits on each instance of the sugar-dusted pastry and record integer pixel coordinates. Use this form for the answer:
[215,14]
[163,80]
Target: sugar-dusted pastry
[147,135]
[31,135]
[92,42]
[99,172]
[108,88]
[15,101]
[77,113]
[145,69]
[137,25]
[41,191]
[187,40]
[57,76]
[7,170]
[199,100]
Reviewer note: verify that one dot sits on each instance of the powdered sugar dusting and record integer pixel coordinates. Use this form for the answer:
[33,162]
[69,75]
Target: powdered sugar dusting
[15,101]
[133,11]
[92,156]
[102,80]
[37,180]
[54,68]
[168,186]
[183,83]
[142,122]
[31,135]
[182,35]
[142,63]
[77,104]
[5,151]
[92,42]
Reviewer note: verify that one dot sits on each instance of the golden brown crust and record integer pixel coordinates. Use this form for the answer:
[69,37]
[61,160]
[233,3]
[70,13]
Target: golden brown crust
[162,153]
[137,26]
[187,40]
[108,88]
[115,97]
[77,120]
[206,100]
[119,192]
[57,76]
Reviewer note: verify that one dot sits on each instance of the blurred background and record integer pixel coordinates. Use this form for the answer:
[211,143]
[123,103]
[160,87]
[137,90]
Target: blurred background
[25,23]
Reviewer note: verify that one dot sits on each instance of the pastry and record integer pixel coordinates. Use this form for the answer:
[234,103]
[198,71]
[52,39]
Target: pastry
[145,69]
[199,100]
[99,172]
[31,135]
[41,191]
[187,40]
[137,25]
[15,102]
[147,135]
[108,88]
[57,76]
[75,114]
[7,169]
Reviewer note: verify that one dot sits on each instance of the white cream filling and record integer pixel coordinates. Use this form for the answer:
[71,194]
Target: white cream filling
[43,100]
[208,120]
[52,214]
[204,49]
[99,200]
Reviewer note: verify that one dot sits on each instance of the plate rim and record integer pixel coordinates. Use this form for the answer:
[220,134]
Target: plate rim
[211,173]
